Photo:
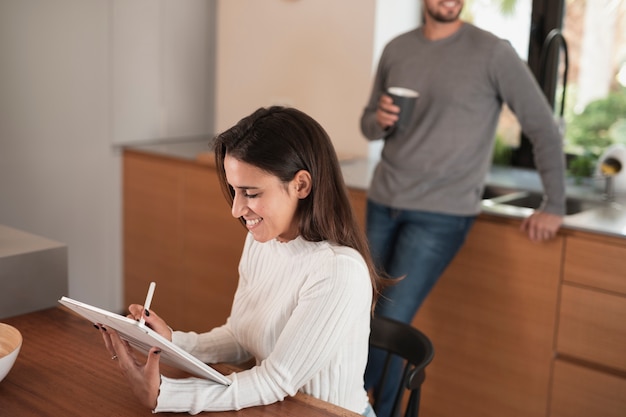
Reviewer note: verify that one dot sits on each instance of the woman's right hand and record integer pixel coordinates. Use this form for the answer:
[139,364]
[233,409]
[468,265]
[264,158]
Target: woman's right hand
[152,319]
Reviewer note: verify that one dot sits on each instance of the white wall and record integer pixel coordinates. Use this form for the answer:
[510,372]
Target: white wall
[76,78]
[317,56]
[58,173]
[162,55]
[314,55]
[393,17]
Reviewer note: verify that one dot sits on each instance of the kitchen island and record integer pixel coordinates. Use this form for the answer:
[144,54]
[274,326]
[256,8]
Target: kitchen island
[519,328]
[33,272]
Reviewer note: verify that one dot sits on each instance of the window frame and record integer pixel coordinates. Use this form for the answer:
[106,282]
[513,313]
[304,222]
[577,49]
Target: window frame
[546,16]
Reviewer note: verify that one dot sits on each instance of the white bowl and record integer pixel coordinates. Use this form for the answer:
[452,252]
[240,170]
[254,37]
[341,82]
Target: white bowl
[10,344]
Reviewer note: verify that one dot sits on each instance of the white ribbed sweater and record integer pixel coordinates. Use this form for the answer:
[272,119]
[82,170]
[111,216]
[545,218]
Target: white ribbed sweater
[302,309]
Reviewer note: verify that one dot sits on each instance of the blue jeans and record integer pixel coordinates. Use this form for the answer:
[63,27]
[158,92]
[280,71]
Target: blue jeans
[418,245]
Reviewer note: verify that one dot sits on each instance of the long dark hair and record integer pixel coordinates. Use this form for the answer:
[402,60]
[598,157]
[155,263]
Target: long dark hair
[283,141]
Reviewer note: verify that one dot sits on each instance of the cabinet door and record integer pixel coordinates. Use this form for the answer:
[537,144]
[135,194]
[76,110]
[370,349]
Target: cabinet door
[152,239]
[358,199]
[592,326]
[491,319]
[578,391]
[179,232]
[213,241]
[596,264]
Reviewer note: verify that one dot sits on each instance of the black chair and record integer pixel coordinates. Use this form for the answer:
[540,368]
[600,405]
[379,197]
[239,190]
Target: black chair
[406,342]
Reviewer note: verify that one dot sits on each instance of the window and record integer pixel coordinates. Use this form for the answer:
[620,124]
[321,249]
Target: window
[510,20]
[591,101]
[595,110]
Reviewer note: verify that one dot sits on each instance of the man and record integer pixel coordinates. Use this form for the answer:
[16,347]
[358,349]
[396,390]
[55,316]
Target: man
[427,187]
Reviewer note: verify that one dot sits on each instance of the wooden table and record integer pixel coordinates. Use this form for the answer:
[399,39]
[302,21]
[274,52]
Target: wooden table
[63,369]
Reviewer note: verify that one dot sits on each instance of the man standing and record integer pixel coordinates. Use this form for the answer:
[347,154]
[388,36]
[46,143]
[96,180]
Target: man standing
[427,188]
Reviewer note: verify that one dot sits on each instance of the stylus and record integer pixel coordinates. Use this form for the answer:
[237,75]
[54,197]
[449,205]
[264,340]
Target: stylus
[146,305]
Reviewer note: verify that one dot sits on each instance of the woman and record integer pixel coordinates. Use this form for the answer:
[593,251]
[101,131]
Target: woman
[306,287]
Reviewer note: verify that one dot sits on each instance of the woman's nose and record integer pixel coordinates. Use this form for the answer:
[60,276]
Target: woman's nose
[238,206]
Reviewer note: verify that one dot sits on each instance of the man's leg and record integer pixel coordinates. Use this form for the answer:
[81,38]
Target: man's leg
[424,245]
[381,230]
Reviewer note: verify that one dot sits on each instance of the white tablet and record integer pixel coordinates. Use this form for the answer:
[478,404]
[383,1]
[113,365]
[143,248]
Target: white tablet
[142,338]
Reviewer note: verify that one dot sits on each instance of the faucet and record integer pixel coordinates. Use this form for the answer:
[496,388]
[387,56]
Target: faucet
[555,37]
[551,49]
[608,169]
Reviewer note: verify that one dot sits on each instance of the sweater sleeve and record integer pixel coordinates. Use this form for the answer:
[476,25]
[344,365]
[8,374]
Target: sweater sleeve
[337,296]
[369,126]
[218,345]
[521,92]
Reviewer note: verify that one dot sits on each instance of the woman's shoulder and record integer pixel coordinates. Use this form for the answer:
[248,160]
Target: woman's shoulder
[346,253]
[342,260]
[318,254]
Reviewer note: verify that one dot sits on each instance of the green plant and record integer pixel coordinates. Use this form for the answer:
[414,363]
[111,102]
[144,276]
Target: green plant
[601,123]
[501,152]
[582,166]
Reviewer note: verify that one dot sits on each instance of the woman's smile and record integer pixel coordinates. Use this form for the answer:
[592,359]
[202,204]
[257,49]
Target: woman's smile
[252,223]
[266,204]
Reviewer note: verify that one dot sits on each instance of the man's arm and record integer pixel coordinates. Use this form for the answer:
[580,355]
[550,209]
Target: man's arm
[521,92]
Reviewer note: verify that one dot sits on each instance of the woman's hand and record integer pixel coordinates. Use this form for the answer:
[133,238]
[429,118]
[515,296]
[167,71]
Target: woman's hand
[153,321]
[144,379]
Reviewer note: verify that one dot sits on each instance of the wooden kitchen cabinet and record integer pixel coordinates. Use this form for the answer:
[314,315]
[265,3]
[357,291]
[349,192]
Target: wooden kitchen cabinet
[519,328]
[592,327]
[178,231]
[491,318]
[359,202]
[513,338]
[590,371]
[583,391]
[598,262]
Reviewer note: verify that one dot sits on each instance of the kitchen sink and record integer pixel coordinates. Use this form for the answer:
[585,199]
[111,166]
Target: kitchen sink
[492,191]
[532,200]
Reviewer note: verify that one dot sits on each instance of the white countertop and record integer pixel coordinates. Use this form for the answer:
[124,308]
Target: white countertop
[16,242]
[609,218]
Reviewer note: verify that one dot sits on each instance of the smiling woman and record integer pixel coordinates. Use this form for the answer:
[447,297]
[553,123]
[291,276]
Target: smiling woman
[306,285]
[264,202]
[290,146]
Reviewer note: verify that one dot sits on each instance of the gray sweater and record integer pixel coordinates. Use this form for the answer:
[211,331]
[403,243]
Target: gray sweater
[440,162]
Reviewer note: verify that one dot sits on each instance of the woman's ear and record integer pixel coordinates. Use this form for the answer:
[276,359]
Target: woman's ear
[302,183]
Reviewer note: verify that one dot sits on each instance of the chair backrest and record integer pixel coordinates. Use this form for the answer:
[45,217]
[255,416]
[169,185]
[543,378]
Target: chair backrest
[405,341]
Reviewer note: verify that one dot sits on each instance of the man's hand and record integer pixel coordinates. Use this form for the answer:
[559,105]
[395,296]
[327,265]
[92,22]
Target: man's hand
[387,112]
[541,226]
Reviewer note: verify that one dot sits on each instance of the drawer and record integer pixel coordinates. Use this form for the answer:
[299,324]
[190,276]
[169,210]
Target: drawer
[596,264]
[592,326]
[582,392]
